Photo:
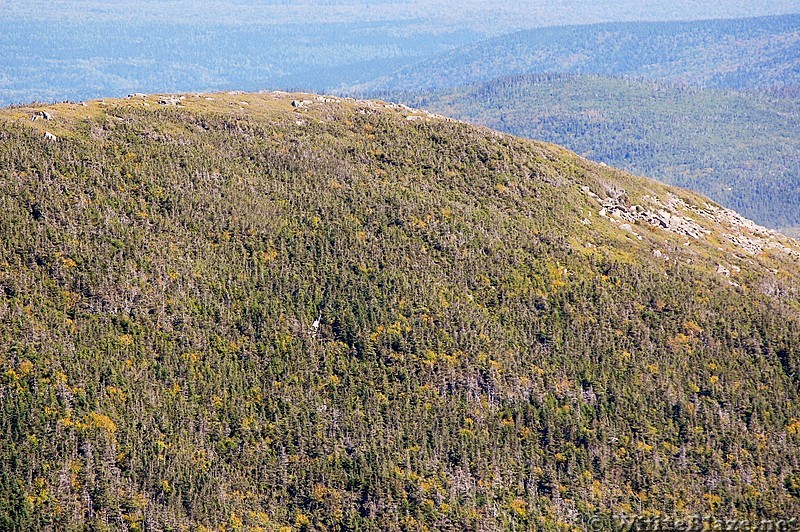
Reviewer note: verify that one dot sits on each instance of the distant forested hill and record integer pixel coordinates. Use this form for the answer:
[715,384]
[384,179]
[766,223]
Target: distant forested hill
[742,149]
[742,53]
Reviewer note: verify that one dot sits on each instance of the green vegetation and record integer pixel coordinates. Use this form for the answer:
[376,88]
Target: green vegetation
[492,351]
[741,149]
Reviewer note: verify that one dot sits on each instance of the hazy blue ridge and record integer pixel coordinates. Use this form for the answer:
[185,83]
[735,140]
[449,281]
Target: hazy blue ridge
[737,53]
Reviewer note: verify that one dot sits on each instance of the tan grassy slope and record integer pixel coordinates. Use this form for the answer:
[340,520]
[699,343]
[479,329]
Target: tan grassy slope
[510,337]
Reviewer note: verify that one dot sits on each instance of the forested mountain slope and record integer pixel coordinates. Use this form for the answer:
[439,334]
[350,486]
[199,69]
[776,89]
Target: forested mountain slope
[741,149]
[738,54]
[509,336]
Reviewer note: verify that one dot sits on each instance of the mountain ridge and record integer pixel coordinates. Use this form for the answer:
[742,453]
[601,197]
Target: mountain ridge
[723,53]
[735,147]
